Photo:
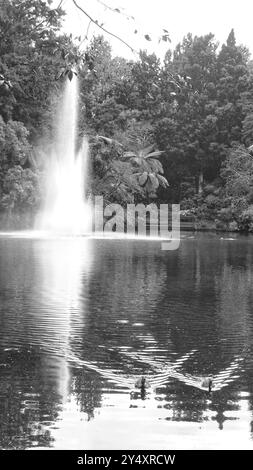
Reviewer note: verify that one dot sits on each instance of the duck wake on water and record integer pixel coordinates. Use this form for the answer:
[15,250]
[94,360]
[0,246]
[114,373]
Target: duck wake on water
[161,374]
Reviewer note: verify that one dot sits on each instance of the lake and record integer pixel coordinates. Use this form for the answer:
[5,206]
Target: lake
[81,320]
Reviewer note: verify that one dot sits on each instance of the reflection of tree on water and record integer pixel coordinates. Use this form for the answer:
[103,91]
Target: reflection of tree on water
[26,401]
[208,408]
[160,285]
[235,287]
[86,334]
[125,284]
[174,310]
[209,300]
[87,390]
[220,417]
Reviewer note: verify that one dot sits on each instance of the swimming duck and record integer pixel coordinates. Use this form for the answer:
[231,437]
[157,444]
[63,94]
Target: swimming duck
[142,383]
[207,383]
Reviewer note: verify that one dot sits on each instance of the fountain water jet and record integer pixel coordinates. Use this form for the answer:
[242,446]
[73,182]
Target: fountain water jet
[65,210]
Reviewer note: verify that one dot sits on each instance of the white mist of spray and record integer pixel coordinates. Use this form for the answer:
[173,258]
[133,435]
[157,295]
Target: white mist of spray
[65,210]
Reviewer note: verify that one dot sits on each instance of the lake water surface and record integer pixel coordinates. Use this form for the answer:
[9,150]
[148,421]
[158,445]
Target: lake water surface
[81,320]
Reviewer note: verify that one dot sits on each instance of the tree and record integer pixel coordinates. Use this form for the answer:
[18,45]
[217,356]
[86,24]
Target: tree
[233,85]
[205,117]
[187,129]
[19,187]
[20,190]
[14,146]
[102,80]
[31,53]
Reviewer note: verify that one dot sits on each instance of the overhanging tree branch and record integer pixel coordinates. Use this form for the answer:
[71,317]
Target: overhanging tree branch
[115,10]
[101,27]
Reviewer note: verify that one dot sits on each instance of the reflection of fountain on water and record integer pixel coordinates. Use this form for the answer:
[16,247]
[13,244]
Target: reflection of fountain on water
[45,320]
[62,266]
[64,269]
[65,209]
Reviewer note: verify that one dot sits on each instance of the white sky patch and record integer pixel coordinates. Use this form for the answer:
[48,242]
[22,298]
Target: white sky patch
[151,17]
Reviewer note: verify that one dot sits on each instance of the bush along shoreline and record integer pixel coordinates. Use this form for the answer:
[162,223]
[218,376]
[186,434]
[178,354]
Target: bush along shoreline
[17,221]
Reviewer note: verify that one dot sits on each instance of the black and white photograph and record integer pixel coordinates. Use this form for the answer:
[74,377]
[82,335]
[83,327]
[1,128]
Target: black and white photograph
[126,228]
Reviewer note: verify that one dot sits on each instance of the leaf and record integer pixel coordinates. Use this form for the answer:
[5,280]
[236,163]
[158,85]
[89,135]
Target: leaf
[165,38]
[70,75]
[143,178]
[155,154]
[117,10]
[154,181]
[146,150]
[147,37]
[129,155]
[155,165]
[60,73]
[163,182]
[106,139]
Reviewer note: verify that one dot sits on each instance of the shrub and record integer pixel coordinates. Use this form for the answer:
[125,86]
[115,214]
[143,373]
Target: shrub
[209,189]
[245,222]
[233,226]
[14,145]
[20,189]
[226,214]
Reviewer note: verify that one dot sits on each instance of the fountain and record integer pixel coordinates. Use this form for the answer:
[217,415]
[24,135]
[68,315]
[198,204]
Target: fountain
[66,211]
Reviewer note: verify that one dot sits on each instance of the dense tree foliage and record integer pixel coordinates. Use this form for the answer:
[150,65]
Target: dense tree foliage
[176,130]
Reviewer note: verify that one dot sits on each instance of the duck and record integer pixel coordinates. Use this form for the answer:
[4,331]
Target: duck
[207,383]
[142,384]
